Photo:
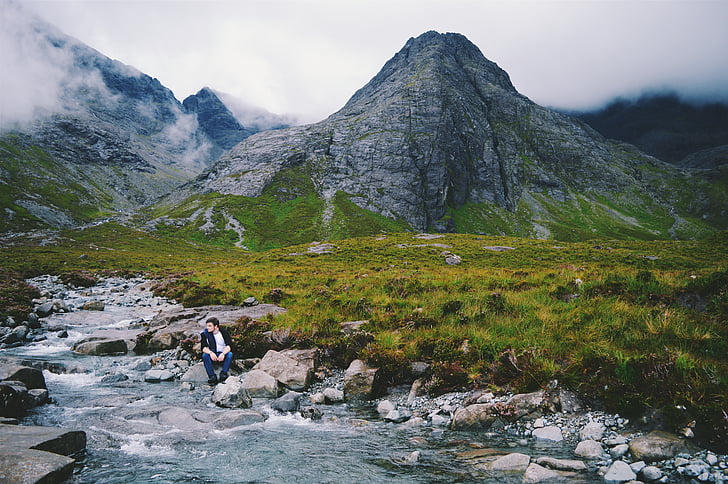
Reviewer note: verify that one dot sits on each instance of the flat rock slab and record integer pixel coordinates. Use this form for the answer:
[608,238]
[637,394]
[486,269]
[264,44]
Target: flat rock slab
[31,454]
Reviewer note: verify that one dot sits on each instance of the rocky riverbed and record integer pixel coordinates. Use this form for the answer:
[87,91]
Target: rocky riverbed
[73,364]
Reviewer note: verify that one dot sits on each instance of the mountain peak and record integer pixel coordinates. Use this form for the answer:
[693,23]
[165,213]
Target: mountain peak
[447,60]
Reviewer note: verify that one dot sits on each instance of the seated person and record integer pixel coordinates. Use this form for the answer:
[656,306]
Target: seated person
[216,348]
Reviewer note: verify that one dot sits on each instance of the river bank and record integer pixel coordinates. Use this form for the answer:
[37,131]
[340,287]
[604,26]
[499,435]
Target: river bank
[106,390]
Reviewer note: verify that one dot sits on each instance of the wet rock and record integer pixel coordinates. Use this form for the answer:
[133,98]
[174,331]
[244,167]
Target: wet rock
[562,464]
[361,381]
[181,418]
[93,306]
[155,376]
[514,462]
[536,473]
[114,378]
[398,416]
[592,431]
[288,403]
[657,445]
[31,454]
[30,377]
[237,418]
[101,347]
[650,473]
[384,407]
[289,372]
[478,415]
[405,458]
[318,397]
[618,451]
[311,413]
[589,449]
[548,434]
[260,384]
[619,472]
[45,309]
[231,394]
[332,395]
[195,373]
[527,403]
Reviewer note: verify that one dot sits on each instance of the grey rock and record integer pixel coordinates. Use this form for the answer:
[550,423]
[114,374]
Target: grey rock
[45,309]
[260,384]
[535,473]
[618,451]
[114,378]
[619,472]
[101,347]
[361,381]
[237,418]
[311,413]
[384,407]
[318,397]
[288,403]
[195,373]
[650,473]
[515,462]
[589,449]
[158,376]
[562,464]
[398,416]
[38,454]
[548,434]
[332,395]
[289,372]
[476,416]
[592,431]
[30,377]
[231,394]
[657,445]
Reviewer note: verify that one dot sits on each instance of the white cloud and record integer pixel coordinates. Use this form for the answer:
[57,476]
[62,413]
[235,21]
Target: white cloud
[308,57]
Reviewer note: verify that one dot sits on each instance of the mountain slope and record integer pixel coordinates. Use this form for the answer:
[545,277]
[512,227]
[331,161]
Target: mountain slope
[440,140]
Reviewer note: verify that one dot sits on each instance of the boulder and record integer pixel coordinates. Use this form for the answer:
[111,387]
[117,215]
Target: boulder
[562,464]
[231,394]
[475,416]
[13,399]
[589,449]
[619,472]
[181,418]
[361,381]
[398,416]
[650,473]
[592,431]
[289,402]
[260,384]
[236,418]
[657,445]
[30,377]
[569,402]
[289,372]
[310,412]
[93,306]
[195,373]
[33,466]
[548,434]
[154,376]
[527,403]
[536,473]
[384,407]
[308,358]
[45,309]
[332,395]
[514,462]
[101,347]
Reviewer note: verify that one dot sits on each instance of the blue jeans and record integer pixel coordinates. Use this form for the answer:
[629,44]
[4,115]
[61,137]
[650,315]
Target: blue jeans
[225,364]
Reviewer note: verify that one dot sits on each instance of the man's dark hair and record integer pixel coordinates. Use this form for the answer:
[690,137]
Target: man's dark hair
[214,321]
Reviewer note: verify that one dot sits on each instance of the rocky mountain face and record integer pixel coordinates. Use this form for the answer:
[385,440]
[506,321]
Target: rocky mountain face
[666,127]
[216,120]
[112,139]
[440,140]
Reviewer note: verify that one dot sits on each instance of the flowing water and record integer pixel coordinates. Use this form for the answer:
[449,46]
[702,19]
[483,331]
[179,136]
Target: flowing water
[127,443]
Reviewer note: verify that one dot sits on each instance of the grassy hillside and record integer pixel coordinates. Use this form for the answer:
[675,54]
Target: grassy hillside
[633,325]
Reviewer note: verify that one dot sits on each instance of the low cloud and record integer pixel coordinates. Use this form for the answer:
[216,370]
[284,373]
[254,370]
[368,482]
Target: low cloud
[254,117]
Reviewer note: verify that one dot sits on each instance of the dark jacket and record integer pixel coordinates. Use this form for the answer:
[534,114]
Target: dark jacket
[208,340]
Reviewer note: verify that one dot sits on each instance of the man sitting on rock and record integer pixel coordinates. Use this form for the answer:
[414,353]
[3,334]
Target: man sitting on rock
[216,348]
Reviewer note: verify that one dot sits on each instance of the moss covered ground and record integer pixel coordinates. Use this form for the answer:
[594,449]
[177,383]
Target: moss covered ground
[631,325]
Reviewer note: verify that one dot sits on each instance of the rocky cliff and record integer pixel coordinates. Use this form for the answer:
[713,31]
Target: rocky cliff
[440,140]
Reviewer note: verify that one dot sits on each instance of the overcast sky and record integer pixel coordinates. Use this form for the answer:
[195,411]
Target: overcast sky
[307,57]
